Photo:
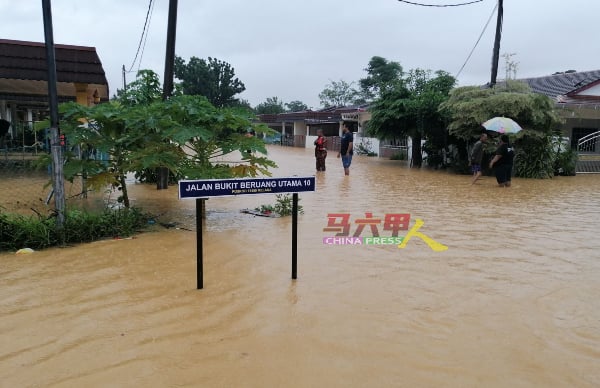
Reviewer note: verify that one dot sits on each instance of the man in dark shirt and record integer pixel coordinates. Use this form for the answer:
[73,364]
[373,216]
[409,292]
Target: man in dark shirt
[476,157]
[503,160]
[346,149]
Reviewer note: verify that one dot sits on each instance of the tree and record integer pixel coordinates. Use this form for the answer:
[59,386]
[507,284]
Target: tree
[510,66]
[470,106]
[144,90]
[273,105]
[184,134]
[244,104]
[212,78]
[337,93]
[296,106]
[410,107]
[382,75]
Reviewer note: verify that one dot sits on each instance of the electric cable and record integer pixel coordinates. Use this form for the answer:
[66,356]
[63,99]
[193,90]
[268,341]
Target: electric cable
[142,37]
[146,37]
[478,39]
[440,5]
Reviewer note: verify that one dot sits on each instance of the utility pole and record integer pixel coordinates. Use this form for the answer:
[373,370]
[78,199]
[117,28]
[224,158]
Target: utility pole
[496,55]
[58,181]
[170,54]
[124,80]
[162,181]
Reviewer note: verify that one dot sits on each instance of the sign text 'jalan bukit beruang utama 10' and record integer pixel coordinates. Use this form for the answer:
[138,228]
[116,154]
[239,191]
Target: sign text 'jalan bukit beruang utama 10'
[225,187]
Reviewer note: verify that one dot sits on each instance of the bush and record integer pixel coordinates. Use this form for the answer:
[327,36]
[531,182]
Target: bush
[534,158]
[566,162]
[37,232]
[283,206]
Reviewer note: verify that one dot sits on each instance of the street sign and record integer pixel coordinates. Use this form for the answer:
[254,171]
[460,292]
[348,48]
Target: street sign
[206,188]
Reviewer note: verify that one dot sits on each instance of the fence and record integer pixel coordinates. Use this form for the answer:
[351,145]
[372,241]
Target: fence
[391,147]
[289,140]
[25,181]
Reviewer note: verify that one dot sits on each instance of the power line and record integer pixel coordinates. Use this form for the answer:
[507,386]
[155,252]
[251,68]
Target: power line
[478,39]
[440,5]
[146,37]
[142,37]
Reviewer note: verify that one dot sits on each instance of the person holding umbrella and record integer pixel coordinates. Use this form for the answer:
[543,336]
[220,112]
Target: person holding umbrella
[503,162]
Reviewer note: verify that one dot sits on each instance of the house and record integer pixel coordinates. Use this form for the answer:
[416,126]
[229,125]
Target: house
[577,98]
[299,129]
[24,87]
[576,94]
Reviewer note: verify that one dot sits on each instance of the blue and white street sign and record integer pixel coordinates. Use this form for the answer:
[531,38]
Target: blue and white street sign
[207,188]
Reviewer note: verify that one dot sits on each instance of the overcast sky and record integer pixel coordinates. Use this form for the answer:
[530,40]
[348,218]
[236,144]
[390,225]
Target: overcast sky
[292,49]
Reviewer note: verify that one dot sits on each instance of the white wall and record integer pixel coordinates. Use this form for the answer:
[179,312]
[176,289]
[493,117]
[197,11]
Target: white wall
[369,142]
[300,128]
[593,91]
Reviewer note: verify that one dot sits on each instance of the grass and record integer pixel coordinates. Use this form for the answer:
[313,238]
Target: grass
[37,232]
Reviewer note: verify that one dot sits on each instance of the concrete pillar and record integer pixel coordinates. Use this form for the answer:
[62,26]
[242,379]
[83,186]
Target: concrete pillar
[13,113]
[29,118]
[3,109]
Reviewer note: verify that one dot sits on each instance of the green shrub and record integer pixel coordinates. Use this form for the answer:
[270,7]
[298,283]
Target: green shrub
[17,231]
[534,158]
[37,232]
[566,162]
[282,206]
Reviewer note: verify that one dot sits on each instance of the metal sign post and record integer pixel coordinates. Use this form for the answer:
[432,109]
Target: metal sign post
[199,245]
[206,188]
[294,235]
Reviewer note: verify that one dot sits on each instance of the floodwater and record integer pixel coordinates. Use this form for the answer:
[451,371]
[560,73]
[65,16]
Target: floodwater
[513,302]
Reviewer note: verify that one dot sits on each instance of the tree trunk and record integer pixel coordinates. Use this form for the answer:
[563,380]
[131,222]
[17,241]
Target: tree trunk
[162,178]
[417,156]
[124,191]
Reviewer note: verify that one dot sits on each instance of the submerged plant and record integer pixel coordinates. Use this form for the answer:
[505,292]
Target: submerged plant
[282,206]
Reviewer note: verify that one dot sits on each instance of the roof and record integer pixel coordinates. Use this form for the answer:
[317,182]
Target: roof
[27,61]
[563,87]
[326,115]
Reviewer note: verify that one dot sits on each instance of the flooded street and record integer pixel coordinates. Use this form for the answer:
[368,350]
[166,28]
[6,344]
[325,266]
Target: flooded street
[513,302]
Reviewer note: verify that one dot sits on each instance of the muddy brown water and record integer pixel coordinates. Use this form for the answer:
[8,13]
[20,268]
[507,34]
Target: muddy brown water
[513,302]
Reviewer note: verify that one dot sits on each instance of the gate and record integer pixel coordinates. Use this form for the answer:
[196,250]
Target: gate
[588,150]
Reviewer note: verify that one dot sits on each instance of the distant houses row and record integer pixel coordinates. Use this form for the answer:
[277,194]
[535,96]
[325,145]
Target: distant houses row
[576,94]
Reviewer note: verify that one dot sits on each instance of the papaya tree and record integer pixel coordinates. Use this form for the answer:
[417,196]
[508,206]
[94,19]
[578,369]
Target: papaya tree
[186,134]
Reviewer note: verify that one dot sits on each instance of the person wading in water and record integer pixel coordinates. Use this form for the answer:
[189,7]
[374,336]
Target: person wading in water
[346,148]
[320,150]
